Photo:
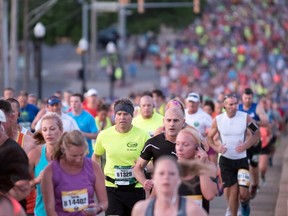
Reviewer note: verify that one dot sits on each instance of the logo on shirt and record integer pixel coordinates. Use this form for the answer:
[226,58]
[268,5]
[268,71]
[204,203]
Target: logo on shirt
[196,124]
[132,144]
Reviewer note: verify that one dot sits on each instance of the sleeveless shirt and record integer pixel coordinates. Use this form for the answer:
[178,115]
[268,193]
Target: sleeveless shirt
[73,192]
[251,111]
[43,162]
[232,131]
[181,209]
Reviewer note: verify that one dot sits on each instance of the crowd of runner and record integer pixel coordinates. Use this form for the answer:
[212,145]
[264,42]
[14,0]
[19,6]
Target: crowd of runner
[211,128]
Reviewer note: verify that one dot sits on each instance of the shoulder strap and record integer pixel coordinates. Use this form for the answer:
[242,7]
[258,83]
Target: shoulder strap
[150,208]
[182,207]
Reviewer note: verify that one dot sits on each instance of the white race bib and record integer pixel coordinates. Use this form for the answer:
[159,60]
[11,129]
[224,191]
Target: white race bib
[197,199]
[74,201]
[243,177]
[124,175]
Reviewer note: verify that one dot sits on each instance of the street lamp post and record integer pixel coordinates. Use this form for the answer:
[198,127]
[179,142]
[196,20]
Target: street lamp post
[39,33]
[112,64]
[83,47]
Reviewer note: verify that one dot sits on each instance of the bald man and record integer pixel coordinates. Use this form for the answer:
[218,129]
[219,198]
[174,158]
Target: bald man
[162,144]
[148,120]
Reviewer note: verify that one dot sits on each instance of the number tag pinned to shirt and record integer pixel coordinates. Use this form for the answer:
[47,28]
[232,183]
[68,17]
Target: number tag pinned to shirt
[124,175]
[74,201]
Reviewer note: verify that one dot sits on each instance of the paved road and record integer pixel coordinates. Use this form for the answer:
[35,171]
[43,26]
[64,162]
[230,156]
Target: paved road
[265,201]
[60,66]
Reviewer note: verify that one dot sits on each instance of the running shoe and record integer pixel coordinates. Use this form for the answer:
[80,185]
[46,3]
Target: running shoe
[228,212]
[245,209]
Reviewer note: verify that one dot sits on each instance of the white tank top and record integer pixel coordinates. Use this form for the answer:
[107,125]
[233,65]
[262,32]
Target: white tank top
[232,132]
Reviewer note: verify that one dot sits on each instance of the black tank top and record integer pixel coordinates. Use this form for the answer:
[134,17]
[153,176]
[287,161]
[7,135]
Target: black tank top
[181,209]
[192,188]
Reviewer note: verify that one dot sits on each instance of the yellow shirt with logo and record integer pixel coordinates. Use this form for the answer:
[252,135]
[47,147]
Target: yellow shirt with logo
[148,125]
[122,150]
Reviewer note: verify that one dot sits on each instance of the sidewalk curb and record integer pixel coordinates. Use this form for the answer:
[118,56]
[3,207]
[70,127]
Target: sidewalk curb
[282,199]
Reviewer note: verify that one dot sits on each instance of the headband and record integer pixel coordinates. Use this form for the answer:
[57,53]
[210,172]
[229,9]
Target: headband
[124,107]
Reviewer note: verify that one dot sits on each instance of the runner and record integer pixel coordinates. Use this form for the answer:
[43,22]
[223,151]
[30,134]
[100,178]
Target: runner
[256,112]
[148,120]
[167,179]
[162,144]
[84,120]
[233,127]
[199,188]
[122,144]
[49,133]
[71,180]
[54,105]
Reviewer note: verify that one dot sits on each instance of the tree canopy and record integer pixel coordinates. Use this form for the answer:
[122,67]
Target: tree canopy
[63,20]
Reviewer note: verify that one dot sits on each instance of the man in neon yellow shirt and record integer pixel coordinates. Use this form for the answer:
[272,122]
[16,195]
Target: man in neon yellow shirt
[159,101]
[122,144]
[148,120]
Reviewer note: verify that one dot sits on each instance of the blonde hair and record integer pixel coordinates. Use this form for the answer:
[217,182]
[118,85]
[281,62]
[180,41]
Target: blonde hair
[38,136]
[193,132]
[74,138]
[185,167]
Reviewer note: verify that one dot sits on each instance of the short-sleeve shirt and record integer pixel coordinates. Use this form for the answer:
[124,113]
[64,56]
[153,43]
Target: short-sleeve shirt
[156,147]
[122,149]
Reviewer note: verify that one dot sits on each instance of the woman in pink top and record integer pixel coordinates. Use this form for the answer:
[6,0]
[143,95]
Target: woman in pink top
[70,180]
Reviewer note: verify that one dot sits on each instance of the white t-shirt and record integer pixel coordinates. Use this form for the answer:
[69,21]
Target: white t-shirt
[69,123]
[199,120]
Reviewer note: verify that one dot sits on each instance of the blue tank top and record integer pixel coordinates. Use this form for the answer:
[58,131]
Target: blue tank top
[181,208]
[43,162]
[251,111]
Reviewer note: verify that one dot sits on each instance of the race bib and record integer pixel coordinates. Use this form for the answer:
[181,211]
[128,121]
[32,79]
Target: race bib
[243,178]
[124,175]
[197,199]
[74,201]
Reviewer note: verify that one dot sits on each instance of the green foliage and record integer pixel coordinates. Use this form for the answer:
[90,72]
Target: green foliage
[63,20]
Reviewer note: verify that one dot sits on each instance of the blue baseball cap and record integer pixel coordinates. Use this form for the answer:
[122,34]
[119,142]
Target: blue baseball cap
[54,100]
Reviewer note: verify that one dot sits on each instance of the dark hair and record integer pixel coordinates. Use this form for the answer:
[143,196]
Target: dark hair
[147,93]
[103,107]
[123,101]
[5,106]
[158,92]
[209,103]
[23,93]
[78,95]
[9,89]
[14,101]
[248,91]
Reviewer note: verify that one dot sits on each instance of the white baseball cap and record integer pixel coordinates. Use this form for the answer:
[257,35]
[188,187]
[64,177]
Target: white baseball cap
[2,116]
[194,97]
[91,92]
